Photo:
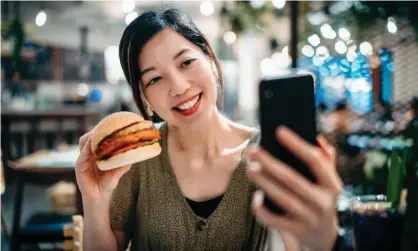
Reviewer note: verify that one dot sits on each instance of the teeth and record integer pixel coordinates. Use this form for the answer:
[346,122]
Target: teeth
[189,104]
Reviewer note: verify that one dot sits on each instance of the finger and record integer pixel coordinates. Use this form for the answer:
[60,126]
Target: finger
[83,139]
[284,174]
[328,150]
[274,221]
[119,172]
[85,156]
[283,197]
[311,155]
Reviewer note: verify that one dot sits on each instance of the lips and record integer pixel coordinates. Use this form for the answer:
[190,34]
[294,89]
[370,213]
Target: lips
[188,106]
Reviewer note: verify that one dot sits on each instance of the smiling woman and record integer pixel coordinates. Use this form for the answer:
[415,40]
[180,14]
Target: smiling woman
[200,192]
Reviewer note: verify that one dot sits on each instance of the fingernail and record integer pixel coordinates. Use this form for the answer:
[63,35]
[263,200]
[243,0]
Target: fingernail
[282,130]
[255,166]
[258,198]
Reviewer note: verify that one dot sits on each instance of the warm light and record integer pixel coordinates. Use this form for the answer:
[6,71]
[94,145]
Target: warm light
[391,25]
[308,51]
[258,4]
[366,48]
[344,34]
[83,89]
[230,37]
[279,4]
[130,17]
[40,19]
[128,6]
[207,8]
[314,40]
[340,47]
[322,52]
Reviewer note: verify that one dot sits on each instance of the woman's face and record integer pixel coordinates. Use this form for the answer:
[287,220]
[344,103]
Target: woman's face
[177,79]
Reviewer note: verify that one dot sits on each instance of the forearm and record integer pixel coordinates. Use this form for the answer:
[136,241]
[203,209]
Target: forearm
[97,234]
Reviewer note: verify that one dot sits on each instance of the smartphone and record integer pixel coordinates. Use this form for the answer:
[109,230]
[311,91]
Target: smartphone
[289,101]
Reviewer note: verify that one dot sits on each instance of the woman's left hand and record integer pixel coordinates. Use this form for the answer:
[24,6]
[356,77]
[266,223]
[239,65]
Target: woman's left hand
[311,215]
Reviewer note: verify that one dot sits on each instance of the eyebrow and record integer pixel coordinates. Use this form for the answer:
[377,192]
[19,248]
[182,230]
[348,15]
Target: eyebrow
[147,70]
[180,53]
[152,68]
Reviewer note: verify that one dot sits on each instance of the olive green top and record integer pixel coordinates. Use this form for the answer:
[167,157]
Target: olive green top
[150,208]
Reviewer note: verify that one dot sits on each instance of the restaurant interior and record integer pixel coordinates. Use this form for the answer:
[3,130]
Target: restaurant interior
[61,74]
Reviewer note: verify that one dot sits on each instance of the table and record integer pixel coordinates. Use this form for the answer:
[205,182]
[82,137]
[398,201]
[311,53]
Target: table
[33,117]
[43,167]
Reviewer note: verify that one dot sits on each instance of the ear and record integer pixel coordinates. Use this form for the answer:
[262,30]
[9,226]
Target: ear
[214,68]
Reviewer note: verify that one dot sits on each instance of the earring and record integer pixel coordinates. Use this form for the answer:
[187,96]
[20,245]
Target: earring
[149,111]
[214,70]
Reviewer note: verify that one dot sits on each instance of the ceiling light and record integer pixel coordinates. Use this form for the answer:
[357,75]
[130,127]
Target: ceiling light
[344,34]
[279,4]
[391,25]
[366,48]
[230,37]
[207,8]
[258,4]
[351,55]
[322,52]
[314,40]
[308,51]
[328,32]
[128,6]
[130,17]
[340,47]
[40,19]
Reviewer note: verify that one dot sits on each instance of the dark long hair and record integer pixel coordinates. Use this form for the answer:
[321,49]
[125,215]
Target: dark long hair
[141,30]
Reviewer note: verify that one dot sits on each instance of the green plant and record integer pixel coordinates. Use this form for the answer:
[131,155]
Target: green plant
[397,172]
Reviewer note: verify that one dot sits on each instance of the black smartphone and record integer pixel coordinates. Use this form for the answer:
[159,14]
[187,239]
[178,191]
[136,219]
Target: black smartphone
[289,101]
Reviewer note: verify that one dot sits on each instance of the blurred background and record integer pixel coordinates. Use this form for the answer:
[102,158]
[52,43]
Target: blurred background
[60,74]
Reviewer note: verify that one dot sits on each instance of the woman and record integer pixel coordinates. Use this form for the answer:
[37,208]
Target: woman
[200,193]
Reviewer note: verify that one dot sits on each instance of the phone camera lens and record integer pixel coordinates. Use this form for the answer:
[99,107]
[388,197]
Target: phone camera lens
[268,94]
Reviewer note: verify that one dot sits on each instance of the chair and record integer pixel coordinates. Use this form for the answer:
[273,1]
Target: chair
[74,235]
[42,227]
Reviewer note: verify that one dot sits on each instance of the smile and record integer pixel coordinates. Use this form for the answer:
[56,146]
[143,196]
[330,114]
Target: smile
[190,106]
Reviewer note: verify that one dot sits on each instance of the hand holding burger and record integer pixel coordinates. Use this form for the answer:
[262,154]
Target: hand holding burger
[124,138]
[107,153]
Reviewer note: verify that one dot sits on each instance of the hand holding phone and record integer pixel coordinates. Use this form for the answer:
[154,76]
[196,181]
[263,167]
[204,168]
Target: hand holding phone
[295,171]
[287,101]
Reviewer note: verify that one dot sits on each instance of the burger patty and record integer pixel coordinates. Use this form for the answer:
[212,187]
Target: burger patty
[122,143]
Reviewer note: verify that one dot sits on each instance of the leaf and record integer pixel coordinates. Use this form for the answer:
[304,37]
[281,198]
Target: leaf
[395,178]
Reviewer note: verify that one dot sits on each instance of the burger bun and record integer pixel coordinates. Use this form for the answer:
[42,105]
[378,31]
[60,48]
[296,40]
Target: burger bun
[130,157]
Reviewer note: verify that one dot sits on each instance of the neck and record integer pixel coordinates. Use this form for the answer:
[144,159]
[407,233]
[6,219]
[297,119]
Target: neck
[203,141]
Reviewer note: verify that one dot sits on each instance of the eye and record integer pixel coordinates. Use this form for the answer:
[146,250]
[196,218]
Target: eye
[154,80]
[188,62]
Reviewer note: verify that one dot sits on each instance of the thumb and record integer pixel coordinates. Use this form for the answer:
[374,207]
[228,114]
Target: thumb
[85,157]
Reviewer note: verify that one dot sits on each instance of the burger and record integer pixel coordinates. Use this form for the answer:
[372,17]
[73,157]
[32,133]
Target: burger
[124,138]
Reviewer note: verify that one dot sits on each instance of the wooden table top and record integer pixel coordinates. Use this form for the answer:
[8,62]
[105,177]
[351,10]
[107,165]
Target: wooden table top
[46,161]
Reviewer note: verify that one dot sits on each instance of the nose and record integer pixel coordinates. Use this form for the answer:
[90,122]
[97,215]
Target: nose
[179,84]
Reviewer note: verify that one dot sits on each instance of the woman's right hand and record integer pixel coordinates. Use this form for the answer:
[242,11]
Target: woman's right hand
[92,182]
